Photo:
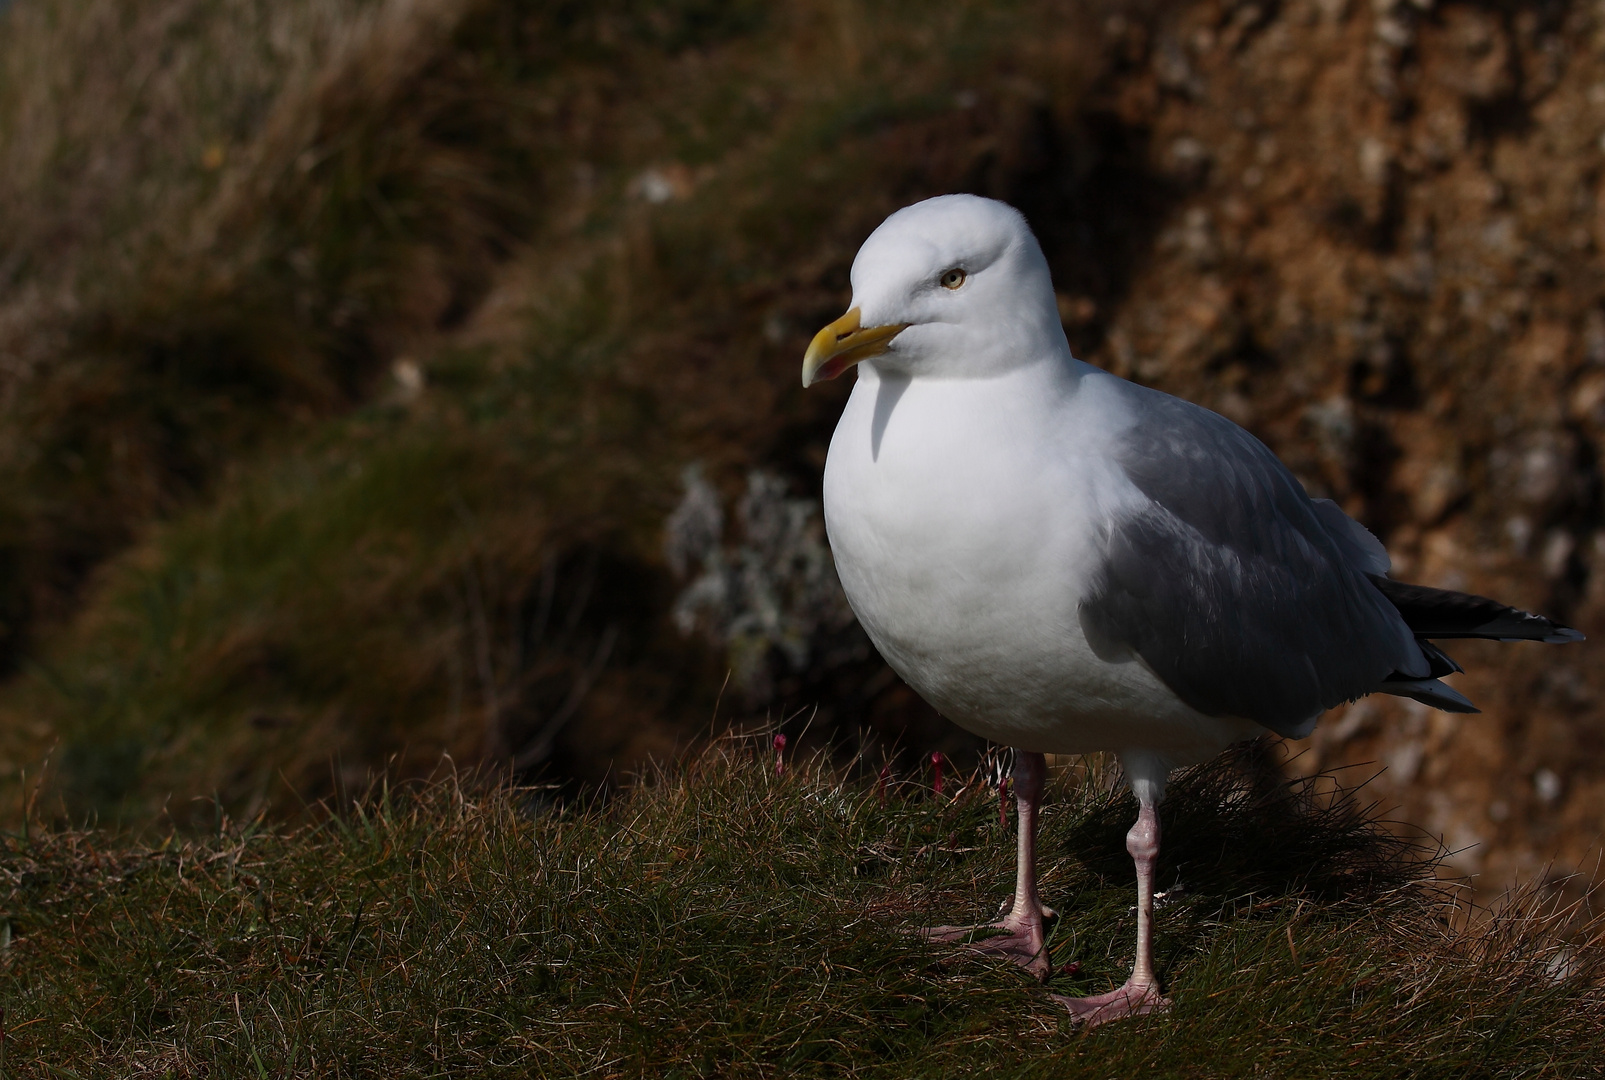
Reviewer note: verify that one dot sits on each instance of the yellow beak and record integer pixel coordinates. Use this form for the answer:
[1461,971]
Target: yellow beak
[842,344]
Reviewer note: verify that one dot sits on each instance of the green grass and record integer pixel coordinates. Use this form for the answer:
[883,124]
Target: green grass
[726,921]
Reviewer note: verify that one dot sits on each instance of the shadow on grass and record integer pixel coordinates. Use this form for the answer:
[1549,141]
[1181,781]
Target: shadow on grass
[1239,826]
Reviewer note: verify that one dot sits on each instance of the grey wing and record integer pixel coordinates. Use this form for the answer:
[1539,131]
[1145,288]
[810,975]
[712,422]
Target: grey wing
[1235,588]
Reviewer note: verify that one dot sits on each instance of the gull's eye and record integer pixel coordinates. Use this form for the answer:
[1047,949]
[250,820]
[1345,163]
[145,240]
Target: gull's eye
[951,279]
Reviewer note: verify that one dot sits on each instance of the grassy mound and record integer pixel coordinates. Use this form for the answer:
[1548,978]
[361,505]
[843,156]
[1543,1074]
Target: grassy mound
[726,920]
[421,352]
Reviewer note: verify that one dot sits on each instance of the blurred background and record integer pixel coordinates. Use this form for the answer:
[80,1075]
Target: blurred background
[388,380]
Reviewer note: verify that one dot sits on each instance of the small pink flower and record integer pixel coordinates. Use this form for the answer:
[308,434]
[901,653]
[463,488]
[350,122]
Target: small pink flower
[780,755]
[936,763]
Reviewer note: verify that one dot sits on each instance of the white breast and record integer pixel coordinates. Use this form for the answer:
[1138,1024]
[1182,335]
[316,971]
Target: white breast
[958,512]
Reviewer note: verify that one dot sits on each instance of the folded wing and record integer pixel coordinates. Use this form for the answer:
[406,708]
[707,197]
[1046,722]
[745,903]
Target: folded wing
[1245,596]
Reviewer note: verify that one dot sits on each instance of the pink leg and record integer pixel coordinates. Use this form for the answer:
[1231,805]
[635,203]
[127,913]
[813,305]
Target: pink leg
[1020,935]
[1140,994]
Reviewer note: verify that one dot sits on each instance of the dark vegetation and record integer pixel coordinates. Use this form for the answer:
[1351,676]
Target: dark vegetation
[726,920]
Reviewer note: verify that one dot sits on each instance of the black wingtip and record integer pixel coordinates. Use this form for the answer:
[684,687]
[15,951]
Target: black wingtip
[1557,635]
[1431,692]
[1443,613]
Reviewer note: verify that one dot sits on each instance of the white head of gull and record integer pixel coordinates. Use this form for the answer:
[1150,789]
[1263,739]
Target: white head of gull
[1065,562]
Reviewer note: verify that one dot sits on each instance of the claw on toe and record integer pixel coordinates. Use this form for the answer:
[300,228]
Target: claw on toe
[1129,1000]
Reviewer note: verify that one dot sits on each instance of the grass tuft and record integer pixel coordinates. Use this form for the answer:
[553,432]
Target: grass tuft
[725,920]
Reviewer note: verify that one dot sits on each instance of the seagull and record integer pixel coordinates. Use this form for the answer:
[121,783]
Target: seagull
[1063,561]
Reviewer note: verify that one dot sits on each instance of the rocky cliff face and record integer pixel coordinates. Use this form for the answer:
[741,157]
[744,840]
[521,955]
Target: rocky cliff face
[1380,252]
